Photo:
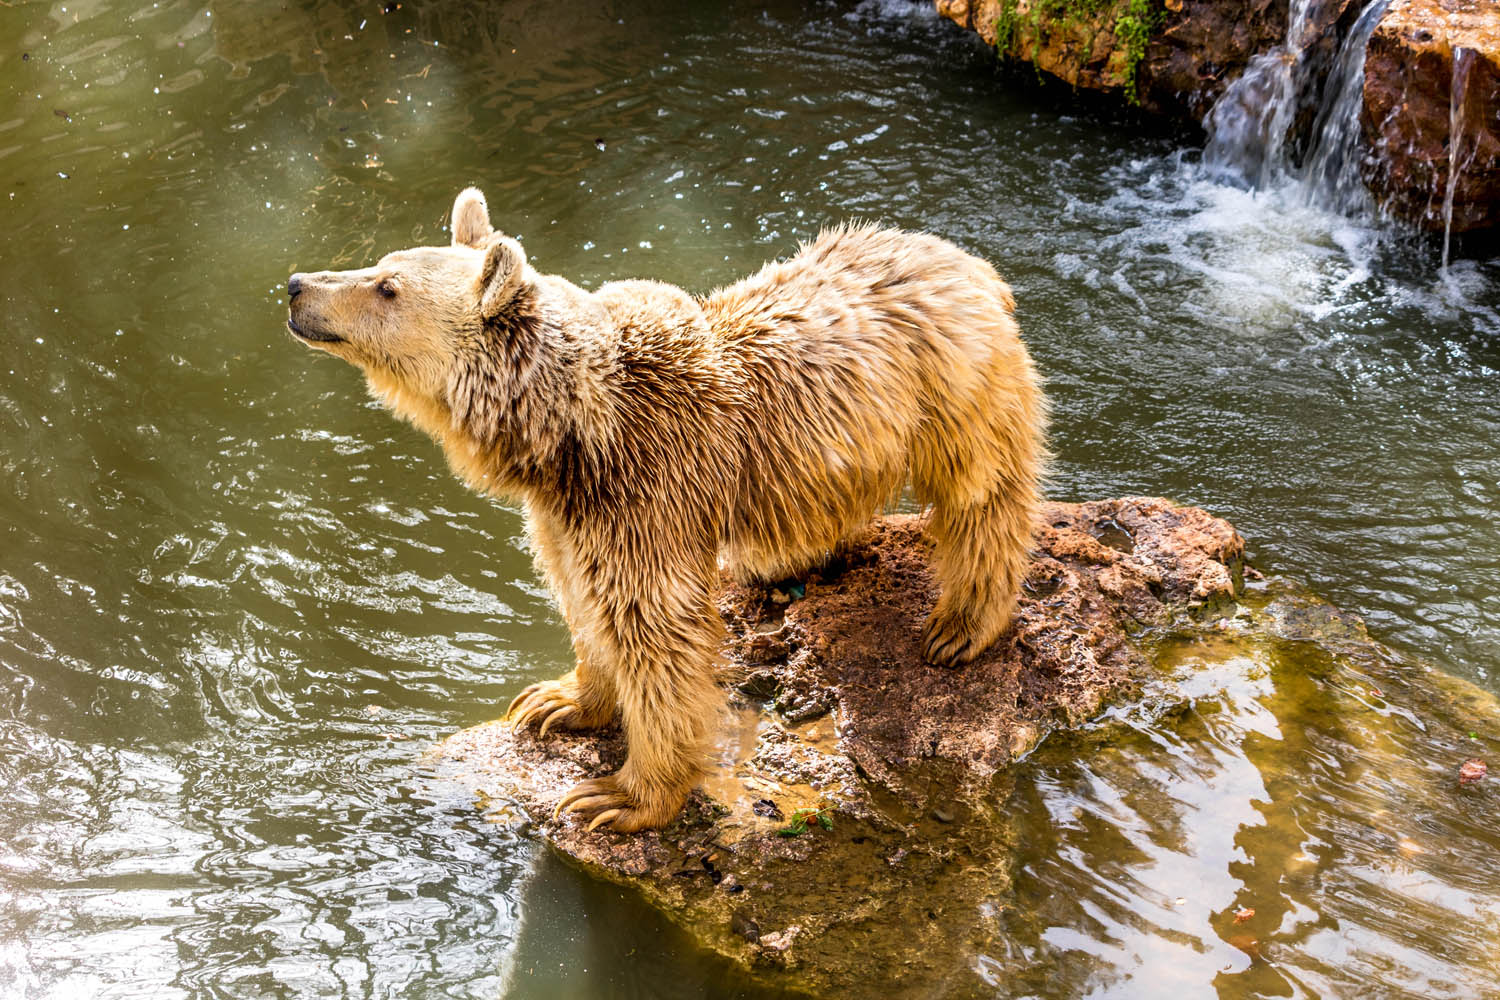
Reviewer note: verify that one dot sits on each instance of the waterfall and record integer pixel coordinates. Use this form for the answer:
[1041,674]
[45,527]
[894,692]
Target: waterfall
[1330,174]
[1463,58]
[1249,125]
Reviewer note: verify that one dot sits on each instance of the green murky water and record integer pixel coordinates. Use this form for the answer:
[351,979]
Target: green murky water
[237,601]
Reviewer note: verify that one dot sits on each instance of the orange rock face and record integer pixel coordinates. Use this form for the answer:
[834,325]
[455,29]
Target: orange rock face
[1420,50]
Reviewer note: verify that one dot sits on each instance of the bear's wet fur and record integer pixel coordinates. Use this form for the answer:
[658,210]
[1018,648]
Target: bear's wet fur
[651,434]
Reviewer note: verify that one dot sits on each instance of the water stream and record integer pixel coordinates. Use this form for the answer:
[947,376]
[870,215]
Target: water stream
[1463,60]
[238,601]
[1331,172]
[1249,124]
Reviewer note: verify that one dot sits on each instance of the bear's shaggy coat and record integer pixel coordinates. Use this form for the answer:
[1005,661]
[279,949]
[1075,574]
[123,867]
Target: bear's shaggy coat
[652,434]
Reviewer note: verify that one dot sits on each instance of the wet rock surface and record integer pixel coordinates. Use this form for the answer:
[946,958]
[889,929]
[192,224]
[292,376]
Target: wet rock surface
[1198,48]
[1432,111]
[852,646]
[833,710]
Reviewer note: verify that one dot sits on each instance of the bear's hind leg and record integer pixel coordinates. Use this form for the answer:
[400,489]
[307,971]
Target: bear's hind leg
[980,560]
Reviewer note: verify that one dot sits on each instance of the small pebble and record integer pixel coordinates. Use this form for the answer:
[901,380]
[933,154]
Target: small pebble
[599,145]
[768,809]
[942,815]
[745,927]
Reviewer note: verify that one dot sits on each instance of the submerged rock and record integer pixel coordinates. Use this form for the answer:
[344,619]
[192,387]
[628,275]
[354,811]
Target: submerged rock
[848,828]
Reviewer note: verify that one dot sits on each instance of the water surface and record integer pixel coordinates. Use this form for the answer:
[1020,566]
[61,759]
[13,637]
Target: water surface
[238,601]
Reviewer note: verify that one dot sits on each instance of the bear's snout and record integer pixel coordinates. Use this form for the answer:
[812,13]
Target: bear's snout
[303,319]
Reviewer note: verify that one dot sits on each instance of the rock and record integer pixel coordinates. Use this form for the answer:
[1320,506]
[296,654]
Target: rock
[1194,48]
[908,760]
[1082,50]
[1409,94]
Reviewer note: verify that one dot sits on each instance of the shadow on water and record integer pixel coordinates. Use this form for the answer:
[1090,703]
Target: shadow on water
[237,601]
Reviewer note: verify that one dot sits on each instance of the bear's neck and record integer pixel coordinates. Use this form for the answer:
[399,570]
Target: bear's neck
[516,428]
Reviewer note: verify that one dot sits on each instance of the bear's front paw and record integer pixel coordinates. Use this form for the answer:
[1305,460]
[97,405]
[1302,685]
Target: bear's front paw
[605,800]
[556,703]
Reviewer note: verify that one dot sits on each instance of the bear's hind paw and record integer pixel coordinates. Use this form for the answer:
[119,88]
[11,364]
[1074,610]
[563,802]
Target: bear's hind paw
[948,640]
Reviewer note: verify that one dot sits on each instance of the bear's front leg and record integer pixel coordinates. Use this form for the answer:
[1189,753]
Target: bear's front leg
[583,698]
[664,679]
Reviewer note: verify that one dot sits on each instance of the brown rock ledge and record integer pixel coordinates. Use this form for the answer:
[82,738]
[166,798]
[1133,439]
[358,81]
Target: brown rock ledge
[1410,106]
[1197,47]
[831,708]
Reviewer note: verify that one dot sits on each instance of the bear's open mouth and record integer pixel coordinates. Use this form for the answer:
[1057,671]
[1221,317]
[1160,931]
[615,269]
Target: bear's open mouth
[317,336]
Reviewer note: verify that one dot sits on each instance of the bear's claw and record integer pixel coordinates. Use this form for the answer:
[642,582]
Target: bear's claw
[605,802]
[551,703]
[946,643]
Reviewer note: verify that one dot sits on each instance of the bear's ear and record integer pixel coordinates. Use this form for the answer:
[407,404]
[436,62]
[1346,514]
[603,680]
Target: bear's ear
[471,219]
[504,267]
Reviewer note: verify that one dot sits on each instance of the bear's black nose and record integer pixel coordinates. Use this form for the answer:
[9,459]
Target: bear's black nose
[293,285]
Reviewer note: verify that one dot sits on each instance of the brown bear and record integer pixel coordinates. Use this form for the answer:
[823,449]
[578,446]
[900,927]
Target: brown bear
[652,434]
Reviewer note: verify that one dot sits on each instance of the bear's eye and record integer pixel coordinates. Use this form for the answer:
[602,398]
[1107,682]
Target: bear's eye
[387,288]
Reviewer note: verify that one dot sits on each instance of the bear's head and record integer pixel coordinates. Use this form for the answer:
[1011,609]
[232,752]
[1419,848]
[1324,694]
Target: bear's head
[408,321]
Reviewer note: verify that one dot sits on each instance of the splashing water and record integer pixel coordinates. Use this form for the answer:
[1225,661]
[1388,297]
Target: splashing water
[1248,125]
[1330,177]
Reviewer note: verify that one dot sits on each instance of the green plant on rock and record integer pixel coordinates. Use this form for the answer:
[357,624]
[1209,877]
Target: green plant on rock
[1134,28]
[1005,27]
[1065,12]
[797,825]
[1136,23]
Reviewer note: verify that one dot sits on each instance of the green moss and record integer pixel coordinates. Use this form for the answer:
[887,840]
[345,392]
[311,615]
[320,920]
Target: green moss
[1005,28]
[1137,21]
[1134,27]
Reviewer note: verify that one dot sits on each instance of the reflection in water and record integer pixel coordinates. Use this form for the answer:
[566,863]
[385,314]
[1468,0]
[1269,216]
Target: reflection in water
[1295,829]
[237,602]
